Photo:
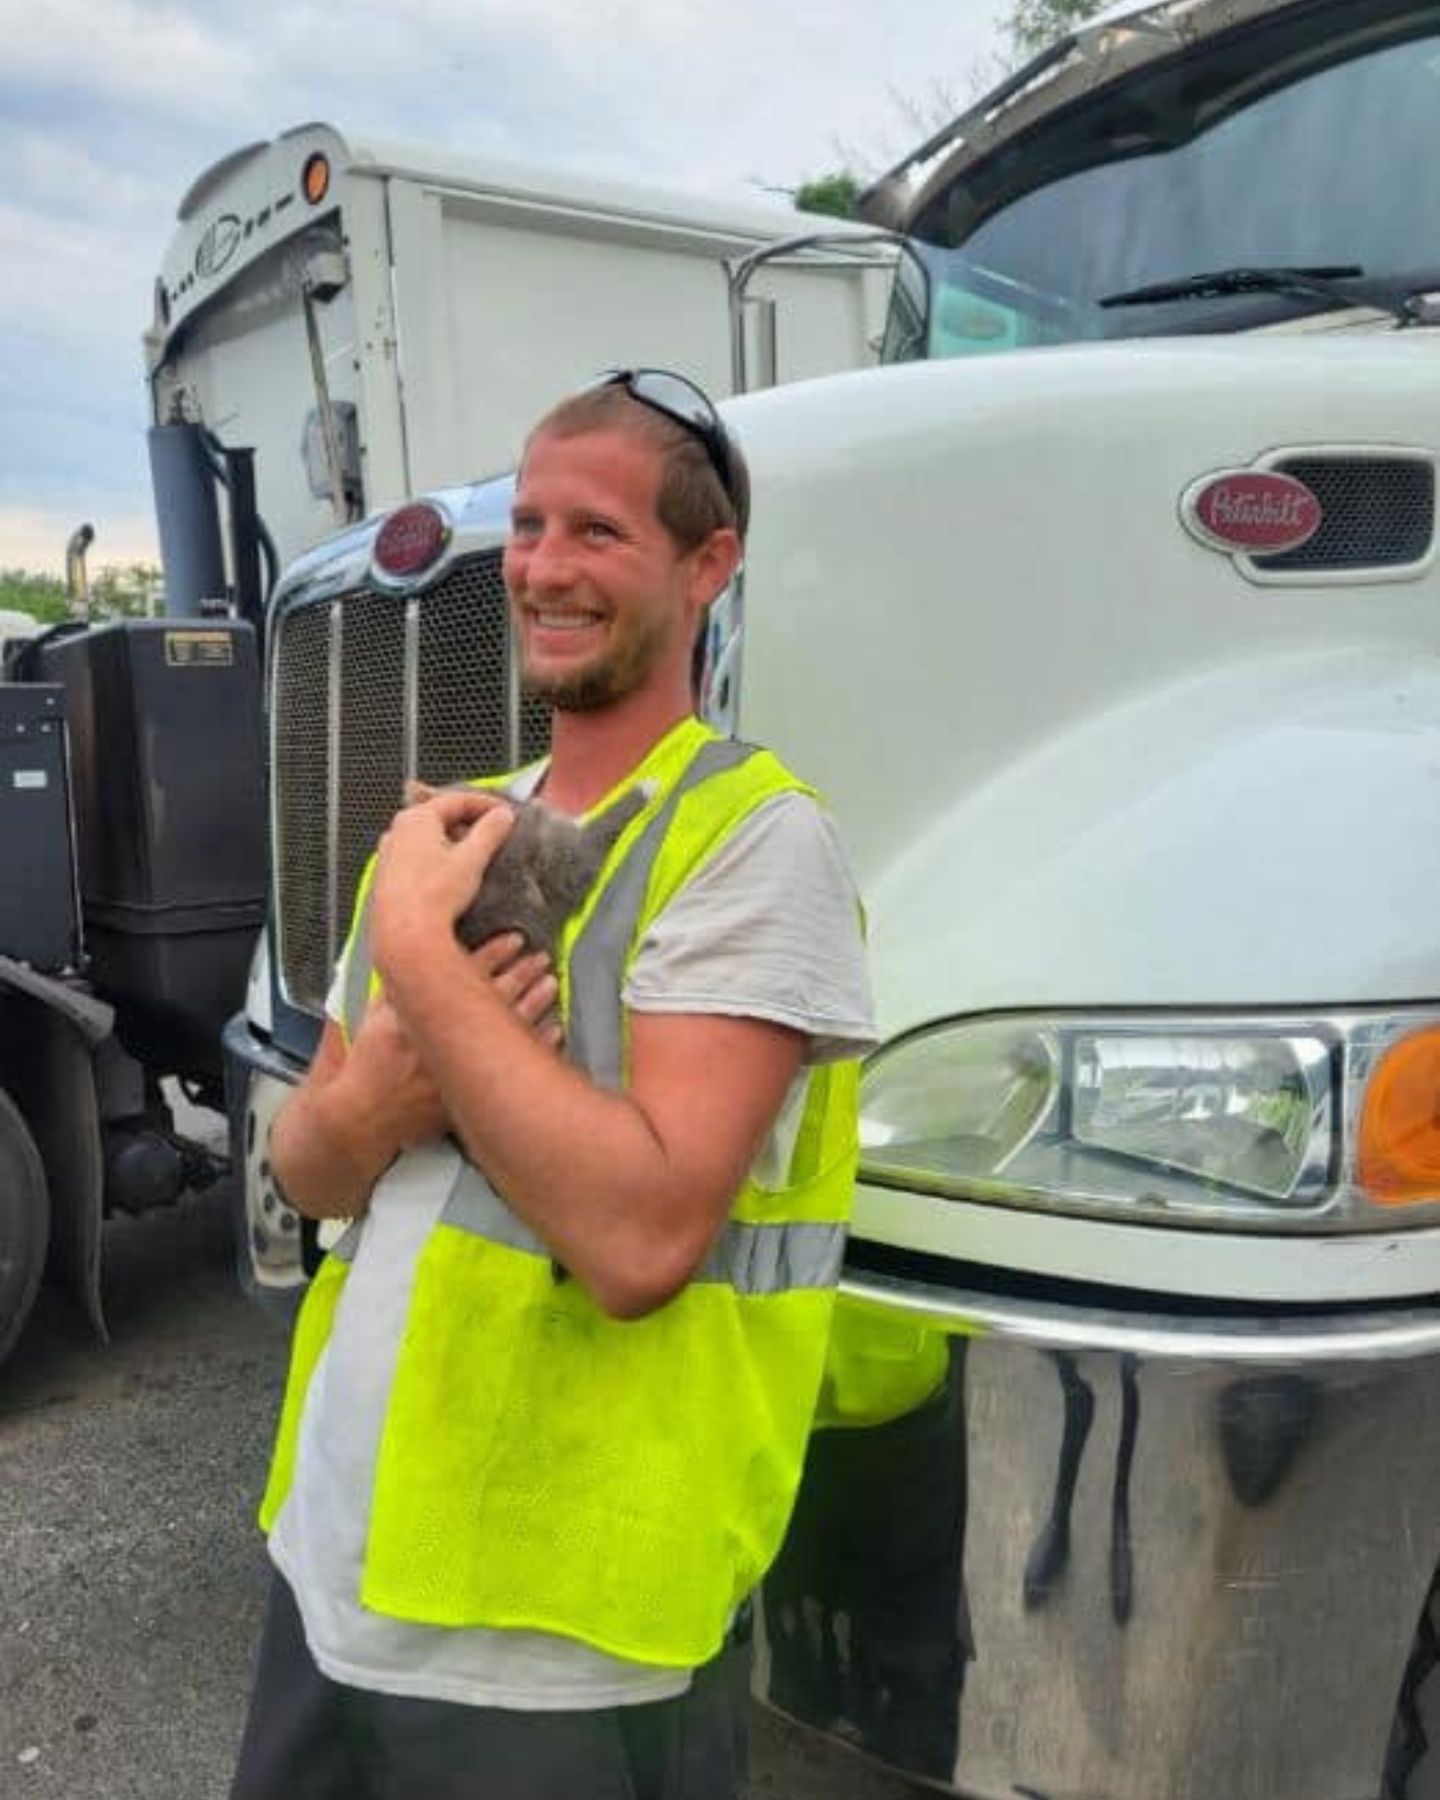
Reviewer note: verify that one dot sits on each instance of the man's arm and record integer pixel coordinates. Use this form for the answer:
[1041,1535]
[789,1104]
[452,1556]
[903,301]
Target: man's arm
[358,1108]
[627,1189]
[322,1166]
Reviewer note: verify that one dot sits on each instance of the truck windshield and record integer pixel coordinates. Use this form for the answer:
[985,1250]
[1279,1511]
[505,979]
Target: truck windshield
[1282,149]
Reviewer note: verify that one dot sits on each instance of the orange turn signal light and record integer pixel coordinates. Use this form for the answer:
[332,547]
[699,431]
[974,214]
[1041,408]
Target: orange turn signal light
[315,179]
[1398,1160]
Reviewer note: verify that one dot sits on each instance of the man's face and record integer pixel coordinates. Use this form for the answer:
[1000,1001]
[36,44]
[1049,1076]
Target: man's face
[604,600]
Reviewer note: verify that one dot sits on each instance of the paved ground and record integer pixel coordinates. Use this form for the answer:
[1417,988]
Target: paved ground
[131,1577]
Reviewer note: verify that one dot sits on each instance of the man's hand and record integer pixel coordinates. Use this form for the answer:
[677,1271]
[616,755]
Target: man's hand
[430,865]
[386,1084]
[358,1108]
[391,1087]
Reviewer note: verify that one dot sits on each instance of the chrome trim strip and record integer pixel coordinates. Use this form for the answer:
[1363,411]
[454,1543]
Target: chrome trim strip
[958,1312]
[332,780]
[513,697]
[411,701]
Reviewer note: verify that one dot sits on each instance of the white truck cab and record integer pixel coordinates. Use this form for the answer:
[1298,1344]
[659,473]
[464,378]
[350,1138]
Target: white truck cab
[1109,624]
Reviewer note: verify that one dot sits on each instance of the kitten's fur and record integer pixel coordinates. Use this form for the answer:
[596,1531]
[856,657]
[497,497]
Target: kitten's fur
[541,873]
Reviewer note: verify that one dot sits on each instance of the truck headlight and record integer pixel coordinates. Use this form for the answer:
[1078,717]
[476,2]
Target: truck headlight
[1229,1120]
[1249,1113]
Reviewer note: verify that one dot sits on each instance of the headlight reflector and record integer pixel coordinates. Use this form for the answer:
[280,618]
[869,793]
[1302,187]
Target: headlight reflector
[1240,1111]
[1265,1120]
[951,1104]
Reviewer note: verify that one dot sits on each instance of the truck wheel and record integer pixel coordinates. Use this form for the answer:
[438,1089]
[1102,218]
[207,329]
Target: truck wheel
[24,1222]
[1412,1764]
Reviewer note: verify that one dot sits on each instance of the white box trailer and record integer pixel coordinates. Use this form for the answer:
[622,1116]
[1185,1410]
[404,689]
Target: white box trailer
[434,303]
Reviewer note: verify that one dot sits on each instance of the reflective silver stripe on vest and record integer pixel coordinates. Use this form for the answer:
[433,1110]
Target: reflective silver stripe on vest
[769,1259]
[751,1259]
[474,1206]
[344,1248]
[355,995]
[595,1024]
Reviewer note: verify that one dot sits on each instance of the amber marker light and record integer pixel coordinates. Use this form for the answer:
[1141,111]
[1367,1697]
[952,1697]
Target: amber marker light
[1399,1147]
[315,179]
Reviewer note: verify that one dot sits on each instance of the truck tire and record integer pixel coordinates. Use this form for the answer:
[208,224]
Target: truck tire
[24,1222]
[1412,1763]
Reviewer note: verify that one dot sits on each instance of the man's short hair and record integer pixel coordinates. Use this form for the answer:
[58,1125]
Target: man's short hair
[692,501]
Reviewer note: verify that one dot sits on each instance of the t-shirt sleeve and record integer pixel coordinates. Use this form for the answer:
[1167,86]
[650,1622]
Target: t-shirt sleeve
[770,928]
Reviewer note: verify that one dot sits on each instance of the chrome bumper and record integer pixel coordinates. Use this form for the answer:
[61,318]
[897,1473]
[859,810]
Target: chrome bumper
[1053,1551]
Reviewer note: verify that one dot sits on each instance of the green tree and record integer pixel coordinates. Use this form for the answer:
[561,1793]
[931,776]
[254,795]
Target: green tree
[835,194]
[117,591]
[42,596]
[126,591]
[1032,24]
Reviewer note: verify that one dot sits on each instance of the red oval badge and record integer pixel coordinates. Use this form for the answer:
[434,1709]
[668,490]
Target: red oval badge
[411,539]
[1252,512]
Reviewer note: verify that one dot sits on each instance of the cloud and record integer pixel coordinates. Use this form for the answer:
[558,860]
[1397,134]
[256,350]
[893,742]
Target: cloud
[160,57]
[59,174]
[80,282]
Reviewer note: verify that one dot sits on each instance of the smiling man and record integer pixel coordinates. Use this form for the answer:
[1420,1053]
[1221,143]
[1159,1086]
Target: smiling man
[549,1397]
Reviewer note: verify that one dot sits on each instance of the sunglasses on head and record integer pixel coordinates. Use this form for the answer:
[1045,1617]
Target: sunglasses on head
[688,406]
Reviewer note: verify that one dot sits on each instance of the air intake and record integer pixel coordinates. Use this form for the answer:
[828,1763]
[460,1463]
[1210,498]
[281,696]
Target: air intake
[1379,515]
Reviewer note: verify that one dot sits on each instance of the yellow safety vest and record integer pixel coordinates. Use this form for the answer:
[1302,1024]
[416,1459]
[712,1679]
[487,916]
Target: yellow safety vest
[542,1465]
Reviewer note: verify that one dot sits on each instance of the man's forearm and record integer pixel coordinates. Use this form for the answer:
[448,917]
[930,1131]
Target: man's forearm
[326,1164]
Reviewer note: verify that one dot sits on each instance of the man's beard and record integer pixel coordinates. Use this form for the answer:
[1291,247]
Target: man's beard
[591,689]
[587,690]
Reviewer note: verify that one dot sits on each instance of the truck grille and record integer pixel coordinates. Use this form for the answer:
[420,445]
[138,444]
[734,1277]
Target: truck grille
[1379,513]
[368,688]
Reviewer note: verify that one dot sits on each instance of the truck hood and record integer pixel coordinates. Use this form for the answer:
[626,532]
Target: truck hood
[1044,712]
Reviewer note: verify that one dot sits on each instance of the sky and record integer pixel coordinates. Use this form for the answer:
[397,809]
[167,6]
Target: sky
[110,108]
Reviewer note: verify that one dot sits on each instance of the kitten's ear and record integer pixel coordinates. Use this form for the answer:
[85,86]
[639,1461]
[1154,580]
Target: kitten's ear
[418,792]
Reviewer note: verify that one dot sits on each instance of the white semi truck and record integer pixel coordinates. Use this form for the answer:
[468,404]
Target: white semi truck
[1109,623]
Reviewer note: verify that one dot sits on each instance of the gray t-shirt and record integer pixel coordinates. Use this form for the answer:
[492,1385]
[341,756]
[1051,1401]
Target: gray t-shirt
[769,929]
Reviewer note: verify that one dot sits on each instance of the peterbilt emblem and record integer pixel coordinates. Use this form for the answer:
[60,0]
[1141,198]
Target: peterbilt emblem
[217,246]
[1251,512]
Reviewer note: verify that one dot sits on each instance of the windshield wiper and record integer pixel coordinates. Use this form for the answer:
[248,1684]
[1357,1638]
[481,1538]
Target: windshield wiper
[1322,282]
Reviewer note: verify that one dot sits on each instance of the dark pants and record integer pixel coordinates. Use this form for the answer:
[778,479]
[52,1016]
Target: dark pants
[310,1738]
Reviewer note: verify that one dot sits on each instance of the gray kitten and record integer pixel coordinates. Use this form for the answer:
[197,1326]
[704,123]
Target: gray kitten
[541,873]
